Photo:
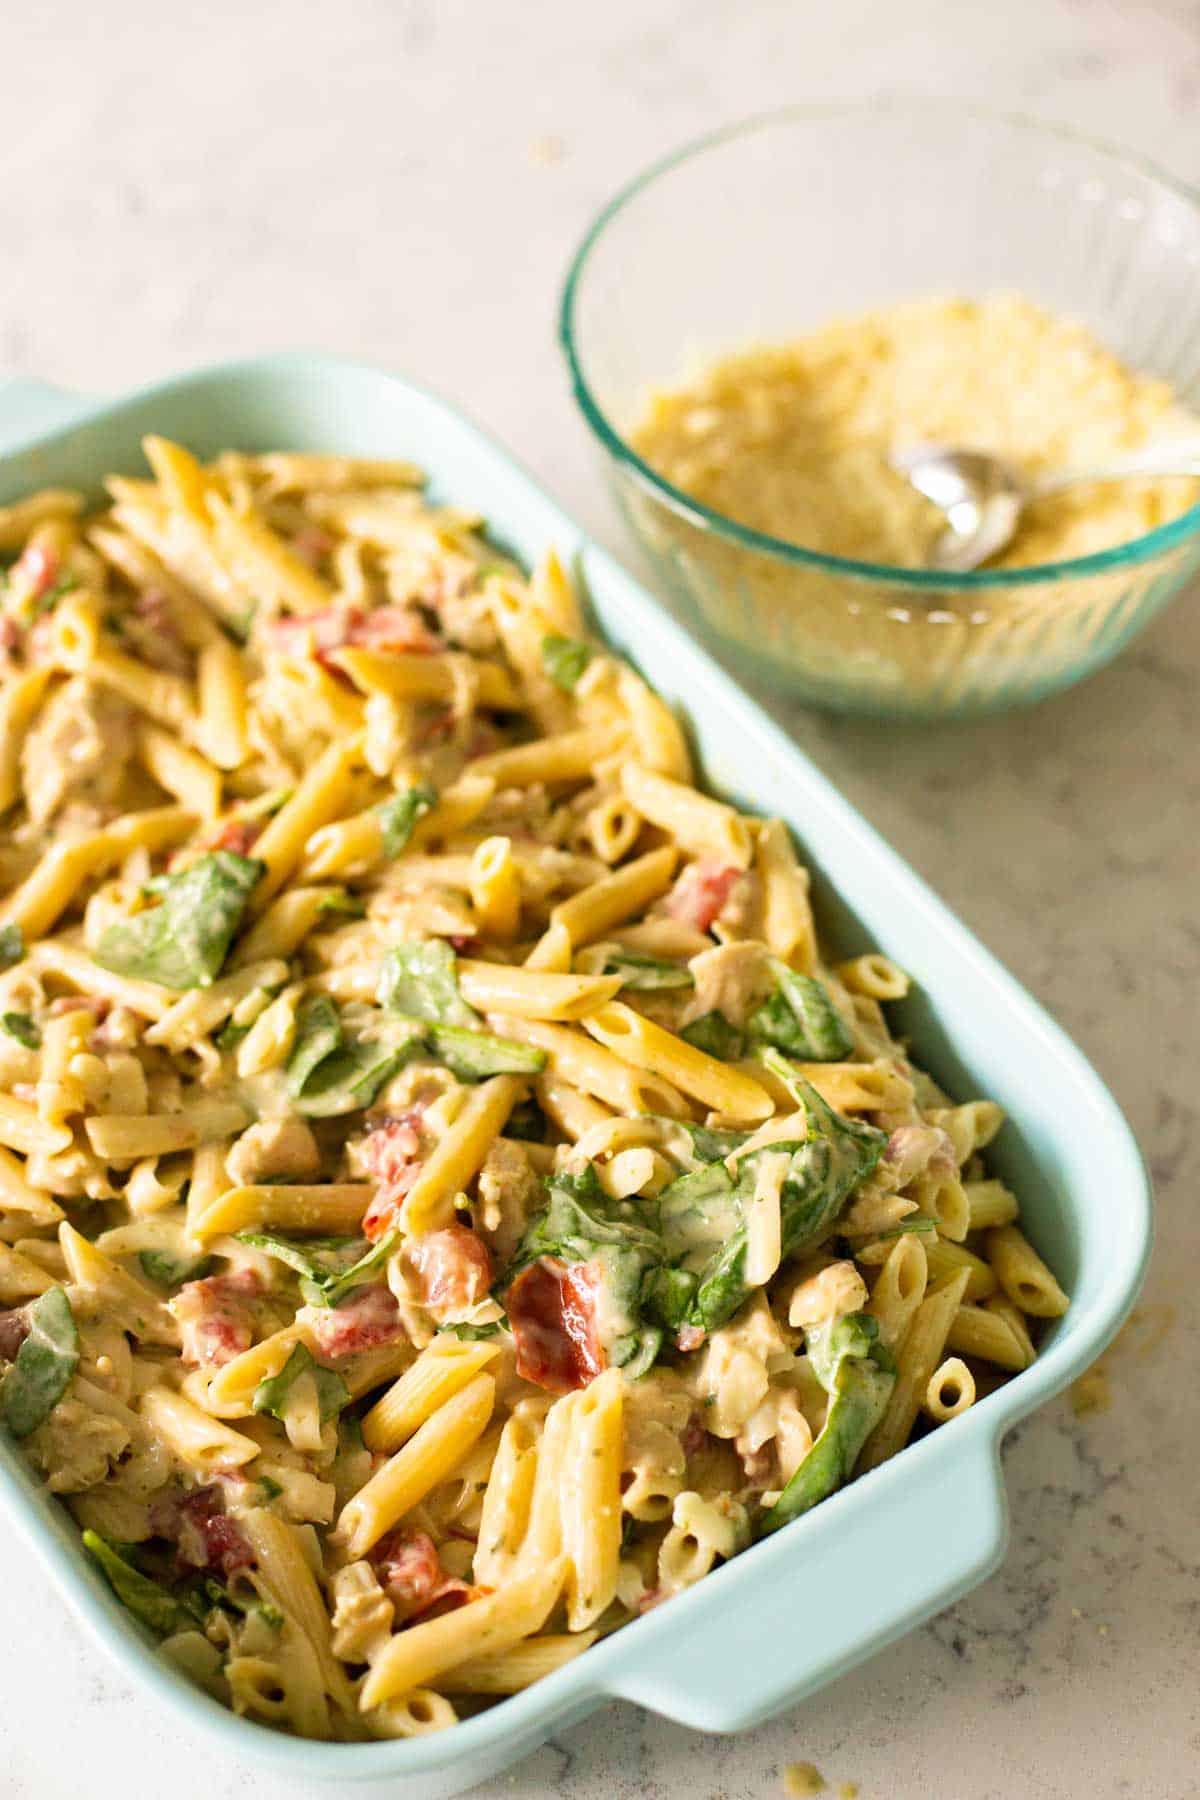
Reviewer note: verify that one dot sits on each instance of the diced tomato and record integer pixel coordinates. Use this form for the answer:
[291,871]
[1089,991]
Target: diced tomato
[701,892]
[35,571]
[216,1316]
[694,1436]
[208,1538]
[10,640]
[318,634]
[14,1329]
[239,835]
[454,1267]
[552,1311]
[97,1004]
[690,1337]
[366,1318]
[311,545]
[407,1565]
[391,1152]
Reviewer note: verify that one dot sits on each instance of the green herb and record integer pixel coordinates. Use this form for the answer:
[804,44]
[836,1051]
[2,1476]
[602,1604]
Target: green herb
[713,1034]
[799,1017]
[564,659]
[147,1600]
[340,900]
[66,583]
[22,1027]
[473,1334]
[208,1593]
[44,1364]
[274,1395]
[647,974]
[182,942]
[398,815]
[858,1374]
[172,1271]
[230,1035]
[12,945]
[421,981]
[270,1487]
[527,1123]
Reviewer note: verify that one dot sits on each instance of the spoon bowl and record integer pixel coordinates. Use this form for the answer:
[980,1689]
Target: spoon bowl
[983,496]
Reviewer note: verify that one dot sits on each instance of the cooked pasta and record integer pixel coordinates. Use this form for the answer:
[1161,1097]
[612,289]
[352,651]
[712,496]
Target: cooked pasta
[448,1202]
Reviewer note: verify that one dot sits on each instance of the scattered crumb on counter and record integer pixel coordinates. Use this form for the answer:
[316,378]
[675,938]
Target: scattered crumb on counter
[848,1791]
[546,151]
[801,1780]
[1092,1393]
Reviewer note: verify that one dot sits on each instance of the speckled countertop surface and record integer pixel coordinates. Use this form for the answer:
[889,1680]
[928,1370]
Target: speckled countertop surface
[405,182]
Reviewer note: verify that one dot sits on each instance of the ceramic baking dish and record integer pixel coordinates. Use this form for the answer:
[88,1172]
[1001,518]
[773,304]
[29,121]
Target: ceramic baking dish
[886,1553]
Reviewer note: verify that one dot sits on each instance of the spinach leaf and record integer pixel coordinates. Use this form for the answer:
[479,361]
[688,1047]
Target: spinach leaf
[328,1267]
[329,1074]
[12,945]
[22,1027]
[172,1271]
[399,814]
[564,659]
[799,1017]
[858,1374]
[147,1600]
[709,1208]
[713,1034]
[349,1080]
[318,1034]
[182,942]
[647,974]
[221,1596]
[421,981]
[272,1396]
[341,900]
[707,1144]
[44,1364]
[472,1334]
[474,1055]
[618,1238]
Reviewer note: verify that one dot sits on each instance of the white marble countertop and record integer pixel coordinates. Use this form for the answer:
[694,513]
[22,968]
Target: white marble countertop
[404,181]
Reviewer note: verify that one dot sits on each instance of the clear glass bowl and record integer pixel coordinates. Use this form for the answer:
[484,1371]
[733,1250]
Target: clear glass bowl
[768,229]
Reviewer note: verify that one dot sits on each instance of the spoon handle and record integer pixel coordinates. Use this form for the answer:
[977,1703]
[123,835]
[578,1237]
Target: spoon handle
[1180,458]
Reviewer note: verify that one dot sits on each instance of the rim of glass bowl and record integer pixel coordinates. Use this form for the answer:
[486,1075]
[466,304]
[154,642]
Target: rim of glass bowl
[1136,550]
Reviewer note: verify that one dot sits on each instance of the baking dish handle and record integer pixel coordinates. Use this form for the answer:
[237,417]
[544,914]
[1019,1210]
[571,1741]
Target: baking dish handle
[915,1536]
[29,407]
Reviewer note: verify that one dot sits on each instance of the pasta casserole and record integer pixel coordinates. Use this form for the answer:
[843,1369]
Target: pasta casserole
[449,1202]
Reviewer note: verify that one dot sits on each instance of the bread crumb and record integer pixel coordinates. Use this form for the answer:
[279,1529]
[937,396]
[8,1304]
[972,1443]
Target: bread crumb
[801,1780]
[848,1791]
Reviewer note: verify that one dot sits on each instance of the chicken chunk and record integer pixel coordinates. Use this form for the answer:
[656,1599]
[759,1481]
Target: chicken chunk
[272,1148]
[729,979]
[76,751]
[510,1189]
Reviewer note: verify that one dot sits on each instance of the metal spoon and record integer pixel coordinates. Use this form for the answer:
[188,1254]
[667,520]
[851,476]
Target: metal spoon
[983,496]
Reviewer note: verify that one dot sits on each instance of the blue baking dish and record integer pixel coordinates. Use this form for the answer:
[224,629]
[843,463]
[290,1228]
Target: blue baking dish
[886,1553]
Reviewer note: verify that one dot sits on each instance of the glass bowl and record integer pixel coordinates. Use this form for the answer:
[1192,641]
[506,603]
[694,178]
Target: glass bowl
[770,228]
